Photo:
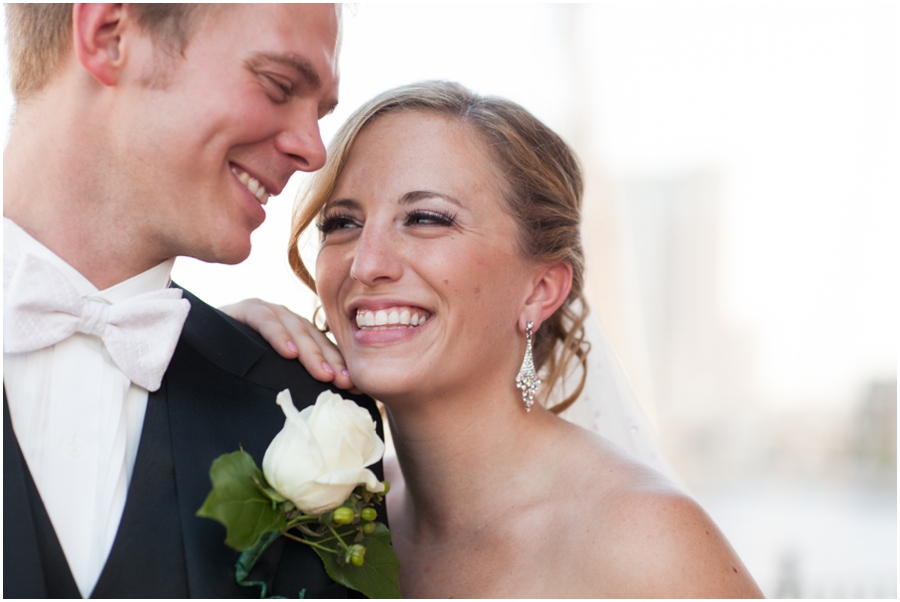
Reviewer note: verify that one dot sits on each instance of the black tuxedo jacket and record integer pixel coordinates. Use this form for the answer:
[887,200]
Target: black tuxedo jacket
[218,395]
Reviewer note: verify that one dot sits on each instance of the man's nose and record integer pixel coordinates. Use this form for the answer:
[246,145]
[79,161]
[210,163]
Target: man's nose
[302,142]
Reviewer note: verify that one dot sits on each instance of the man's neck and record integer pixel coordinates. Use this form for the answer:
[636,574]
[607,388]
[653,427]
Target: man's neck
[97,262]
[55,193]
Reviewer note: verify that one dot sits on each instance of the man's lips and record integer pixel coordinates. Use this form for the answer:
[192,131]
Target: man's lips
[256,188]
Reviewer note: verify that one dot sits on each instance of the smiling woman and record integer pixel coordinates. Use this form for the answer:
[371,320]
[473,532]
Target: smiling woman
[443,250]
[540,186]
[450,233]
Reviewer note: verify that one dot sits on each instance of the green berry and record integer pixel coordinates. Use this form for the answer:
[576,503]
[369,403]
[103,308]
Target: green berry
[368,514]
[343,516]
[368,528]
[357,554]
[387,487]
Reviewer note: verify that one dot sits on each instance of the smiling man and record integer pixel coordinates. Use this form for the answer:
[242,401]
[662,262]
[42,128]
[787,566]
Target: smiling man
[141,133]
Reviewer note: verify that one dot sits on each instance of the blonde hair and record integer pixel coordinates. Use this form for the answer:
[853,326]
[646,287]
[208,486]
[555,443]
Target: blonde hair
[543,192]
[40,38]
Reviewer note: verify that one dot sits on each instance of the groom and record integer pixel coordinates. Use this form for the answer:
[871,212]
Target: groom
[145,132]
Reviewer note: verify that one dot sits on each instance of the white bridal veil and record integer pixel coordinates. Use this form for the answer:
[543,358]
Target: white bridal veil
[609,406]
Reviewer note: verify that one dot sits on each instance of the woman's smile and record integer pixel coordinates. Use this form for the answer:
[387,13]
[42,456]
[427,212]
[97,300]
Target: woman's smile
[392,317]
[379,325]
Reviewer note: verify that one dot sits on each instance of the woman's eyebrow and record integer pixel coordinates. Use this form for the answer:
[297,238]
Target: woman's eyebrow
[418,195]
[346,203]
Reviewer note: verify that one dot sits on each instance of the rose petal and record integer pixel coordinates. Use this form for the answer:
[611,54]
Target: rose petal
[319,498]
[280,466]
[356,477]
[320,455]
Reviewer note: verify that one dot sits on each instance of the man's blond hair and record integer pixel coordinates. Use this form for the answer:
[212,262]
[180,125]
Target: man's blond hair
[40,38]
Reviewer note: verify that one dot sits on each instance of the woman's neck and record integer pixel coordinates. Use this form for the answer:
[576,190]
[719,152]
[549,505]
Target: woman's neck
[465,460]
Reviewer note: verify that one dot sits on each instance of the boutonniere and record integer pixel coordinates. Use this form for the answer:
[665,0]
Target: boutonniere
[314,488]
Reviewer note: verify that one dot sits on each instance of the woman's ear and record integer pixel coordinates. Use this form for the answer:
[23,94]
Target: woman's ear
[551,289]
[97,38]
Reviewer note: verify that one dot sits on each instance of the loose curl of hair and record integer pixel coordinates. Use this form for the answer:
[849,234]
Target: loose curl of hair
[544,191]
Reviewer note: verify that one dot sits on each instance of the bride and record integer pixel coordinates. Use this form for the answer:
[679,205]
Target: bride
[451,273]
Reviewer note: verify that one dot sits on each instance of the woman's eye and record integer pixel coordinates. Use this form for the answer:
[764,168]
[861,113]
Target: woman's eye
[430,218]
[331,223]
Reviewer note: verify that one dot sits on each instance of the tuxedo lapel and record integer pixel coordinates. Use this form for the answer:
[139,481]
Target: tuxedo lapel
[215,407]
[210,412]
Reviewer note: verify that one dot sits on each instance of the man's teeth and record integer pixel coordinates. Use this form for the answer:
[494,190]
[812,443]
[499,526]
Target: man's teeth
[391,317]
[253,185]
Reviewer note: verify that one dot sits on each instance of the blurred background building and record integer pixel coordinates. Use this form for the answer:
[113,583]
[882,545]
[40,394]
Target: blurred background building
[741,212]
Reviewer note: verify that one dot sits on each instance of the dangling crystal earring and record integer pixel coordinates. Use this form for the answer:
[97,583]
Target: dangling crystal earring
[526,379]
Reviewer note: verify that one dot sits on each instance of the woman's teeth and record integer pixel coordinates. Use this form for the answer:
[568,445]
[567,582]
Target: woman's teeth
[394,317]
[253,185]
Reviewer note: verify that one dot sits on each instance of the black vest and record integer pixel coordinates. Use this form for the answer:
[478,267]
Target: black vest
[148,547]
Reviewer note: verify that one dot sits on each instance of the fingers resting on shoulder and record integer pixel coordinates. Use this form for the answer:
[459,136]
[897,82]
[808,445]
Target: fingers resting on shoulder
[294,336]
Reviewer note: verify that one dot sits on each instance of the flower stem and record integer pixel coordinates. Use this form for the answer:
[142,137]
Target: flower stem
[340,541]
[309,543]
[307,531]
[303,518]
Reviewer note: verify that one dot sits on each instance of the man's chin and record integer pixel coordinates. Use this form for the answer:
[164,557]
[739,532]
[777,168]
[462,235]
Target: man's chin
[233,259]
[227,255]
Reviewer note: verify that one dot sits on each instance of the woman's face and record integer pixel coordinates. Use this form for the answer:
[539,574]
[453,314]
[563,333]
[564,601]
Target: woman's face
[419,272]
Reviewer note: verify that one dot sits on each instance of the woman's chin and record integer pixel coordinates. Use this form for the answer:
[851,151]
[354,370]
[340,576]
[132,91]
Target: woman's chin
[386,385]
[386,378]
[388,393]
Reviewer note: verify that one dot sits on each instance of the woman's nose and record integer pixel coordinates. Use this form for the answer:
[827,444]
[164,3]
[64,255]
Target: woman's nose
[377,258]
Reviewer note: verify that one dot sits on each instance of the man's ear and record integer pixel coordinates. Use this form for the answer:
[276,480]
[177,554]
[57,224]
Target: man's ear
[96,33]
[551,288]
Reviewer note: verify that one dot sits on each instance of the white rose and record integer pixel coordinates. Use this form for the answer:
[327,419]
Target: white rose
[320,455]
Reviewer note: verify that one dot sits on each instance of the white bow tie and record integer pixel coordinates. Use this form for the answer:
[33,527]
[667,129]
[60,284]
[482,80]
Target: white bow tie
[140,333]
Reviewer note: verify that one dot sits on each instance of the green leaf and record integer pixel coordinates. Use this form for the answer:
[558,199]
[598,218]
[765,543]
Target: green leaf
[378,577]
[237,501]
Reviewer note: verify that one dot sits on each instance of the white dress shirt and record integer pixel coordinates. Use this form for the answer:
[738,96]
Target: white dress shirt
[77,418]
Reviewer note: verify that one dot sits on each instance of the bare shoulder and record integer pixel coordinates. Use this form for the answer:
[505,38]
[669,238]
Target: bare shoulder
[640,535]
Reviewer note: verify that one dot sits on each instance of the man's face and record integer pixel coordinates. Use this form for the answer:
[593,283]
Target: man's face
[202,141]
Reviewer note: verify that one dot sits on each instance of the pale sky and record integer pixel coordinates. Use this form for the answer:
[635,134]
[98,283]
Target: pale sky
[795,104]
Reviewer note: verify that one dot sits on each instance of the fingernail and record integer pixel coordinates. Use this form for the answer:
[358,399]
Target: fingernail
[345,373]
[292,347]
[327,367]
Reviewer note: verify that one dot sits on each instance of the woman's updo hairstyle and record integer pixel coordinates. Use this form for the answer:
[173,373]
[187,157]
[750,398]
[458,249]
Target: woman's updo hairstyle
[543,190]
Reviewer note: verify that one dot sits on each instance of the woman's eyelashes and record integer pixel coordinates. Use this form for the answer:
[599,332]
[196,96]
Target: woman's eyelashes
[336,221]
[430,217]
[331,222]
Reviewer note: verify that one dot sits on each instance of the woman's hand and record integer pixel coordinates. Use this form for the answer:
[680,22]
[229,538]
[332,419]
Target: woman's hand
[292,337]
